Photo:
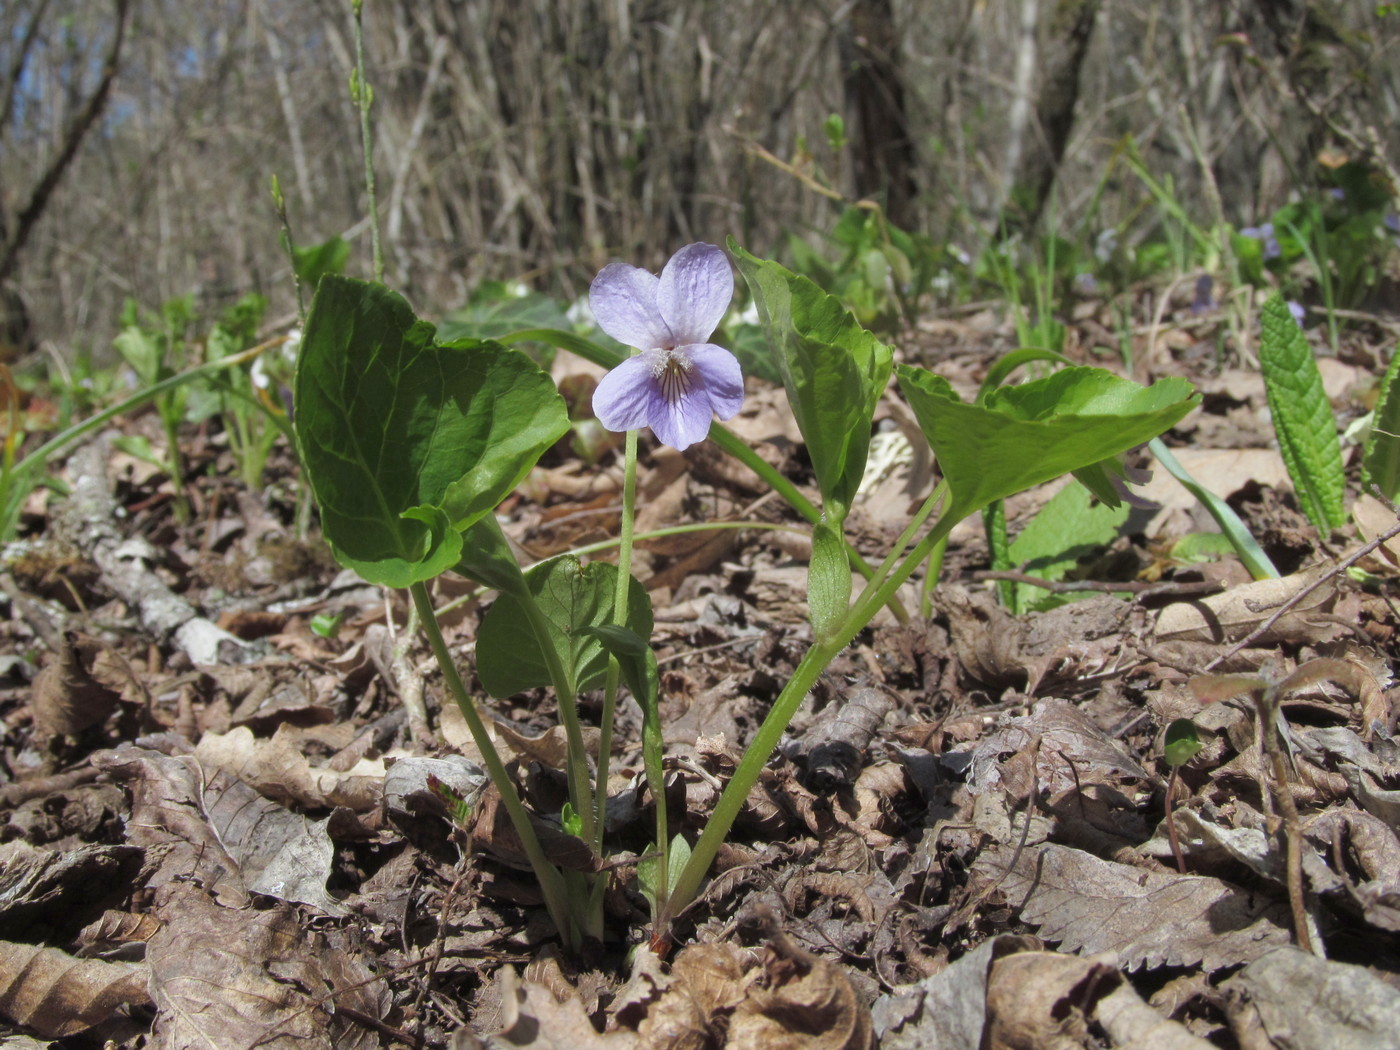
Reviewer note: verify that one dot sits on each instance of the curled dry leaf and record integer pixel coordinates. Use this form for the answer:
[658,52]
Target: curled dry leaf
[66,698]
[948,1009]
[1231,616]
[57,995]
[277,769]
[1042,1000]
[533,1019]
[804,1002]
[1305,1001]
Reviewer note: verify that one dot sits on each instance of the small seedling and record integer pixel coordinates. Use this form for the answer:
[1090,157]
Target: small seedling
[1181,744]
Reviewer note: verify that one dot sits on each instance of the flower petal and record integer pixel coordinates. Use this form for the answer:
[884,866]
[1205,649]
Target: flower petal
[626,397]
[695,290]
[623,300]
[717,372]
[683,422]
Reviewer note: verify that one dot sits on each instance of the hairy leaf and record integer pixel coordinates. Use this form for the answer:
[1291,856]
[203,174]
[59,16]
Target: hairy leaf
[1307,431]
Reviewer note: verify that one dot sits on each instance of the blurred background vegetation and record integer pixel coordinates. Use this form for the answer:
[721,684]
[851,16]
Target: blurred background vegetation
[535,140]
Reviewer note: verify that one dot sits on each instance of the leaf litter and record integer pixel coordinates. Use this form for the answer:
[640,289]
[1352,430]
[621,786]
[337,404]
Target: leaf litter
[224,830]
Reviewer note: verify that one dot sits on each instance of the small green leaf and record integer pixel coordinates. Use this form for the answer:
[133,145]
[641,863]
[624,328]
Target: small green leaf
[1303,421]
[1381,463]
[1029,434]
[407,443]
[834,370]
[1068,528]
[315,261]
[575,600]
[326,625]
[1182,742]
[571,821]
[676,861]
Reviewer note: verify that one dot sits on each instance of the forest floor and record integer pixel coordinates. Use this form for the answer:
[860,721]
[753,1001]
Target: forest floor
[220,831]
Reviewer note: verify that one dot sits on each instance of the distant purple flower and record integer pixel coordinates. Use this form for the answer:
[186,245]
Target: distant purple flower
[1265,235]
[679,379]
[1296,309]
[1204,301]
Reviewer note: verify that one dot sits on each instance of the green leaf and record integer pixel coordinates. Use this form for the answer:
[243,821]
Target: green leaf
[575,600]
[1381,462]
[314,262]
[833,369]
[1182,742]
[142,351]
[1068,528]
[1260,566]
[1307,431]
[488,559]
[406,442]
[828,578]
[1008,363]
[1032,433]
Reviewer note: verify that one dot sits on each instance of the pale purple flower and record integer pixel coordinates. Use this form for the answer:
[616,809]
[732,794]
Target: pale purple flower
[1264,235]
[680,379]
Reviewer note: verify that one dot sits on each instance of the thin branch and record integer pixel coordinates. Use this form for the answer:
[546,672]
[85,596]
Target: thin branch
[82,124]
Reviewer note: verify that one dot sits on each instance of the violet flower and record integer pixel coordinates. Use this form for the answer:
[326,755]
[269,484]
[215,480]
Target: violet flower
[679,380]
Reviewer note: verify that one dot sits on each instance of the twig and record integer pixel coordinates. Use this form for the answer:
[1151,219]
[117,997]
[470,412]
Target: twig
[1140,588]
[82,123]
[1297,598]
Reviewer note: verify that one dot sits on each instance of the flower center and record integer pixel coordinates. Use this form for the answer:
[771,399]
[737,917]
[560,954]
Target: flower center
[673,376]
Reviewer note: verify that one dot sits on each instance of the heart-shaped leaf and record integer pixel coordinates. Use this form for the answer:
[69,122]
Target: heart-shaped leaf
[1028,434]
[407,442]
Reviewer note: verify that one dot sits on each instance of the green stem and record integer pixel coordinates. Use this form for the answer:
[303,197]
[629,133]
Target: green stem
[813,663]
[364,97]
[580,793]
[551,880]
[620,602]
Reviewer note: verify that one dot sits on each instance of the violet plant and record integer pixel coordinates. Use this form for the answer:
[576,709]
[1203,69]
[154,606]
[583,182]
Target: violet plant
[410,444]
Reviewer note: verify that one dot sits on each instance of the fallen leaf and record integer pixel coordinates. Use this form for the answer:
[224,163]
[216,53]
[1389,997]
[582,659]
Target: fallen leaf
[58,995]
[533,1019]
[66,698]
[277,769]
[805,1002]
[947,1011]
[223,977]
[1149,918]
[235,840]
[1304,1001]
[1231,616]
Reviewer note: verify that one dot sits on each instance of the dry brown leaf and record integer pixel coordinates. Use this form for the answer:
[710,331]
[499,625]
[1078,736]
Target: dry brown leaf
[804,1003]
[1230,616]
[270,984]
[115,929]
[46,894]
[1070,752]
[1043,1001]
[949,1008]
[235,840]
[58,995]
[66,698]
[277,769]
[533,1019]
[1153,918]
